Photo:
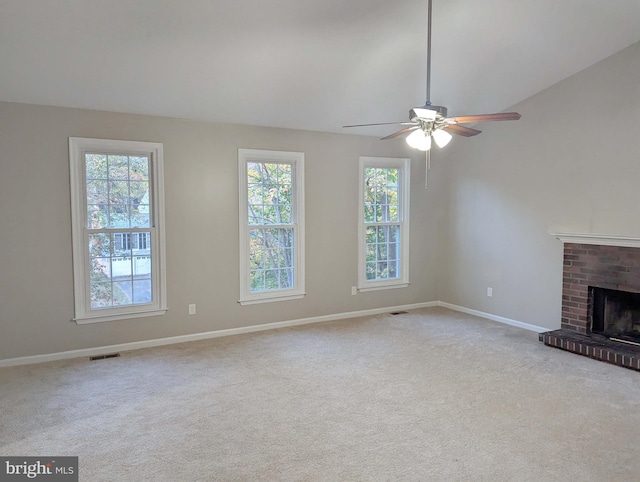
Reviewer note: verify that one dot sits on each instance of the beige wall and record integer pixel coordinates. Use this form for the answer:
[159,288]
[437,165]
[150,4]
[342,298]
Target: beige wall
[571,164]
[201,189]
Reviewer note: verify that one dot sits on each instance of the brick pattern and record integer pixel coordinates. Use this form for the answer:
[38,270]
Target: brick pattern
[584,265]
[595,347]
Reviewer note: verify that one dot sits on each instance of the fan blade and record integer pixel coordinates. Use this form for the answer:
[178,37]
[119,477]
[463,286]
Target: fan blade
[461,130]
[400,132]
[502,116]
[404,123]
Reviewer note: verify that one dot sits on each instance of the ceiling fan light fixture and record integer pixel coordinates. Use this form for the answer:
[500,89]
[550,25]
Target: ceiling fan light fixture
[430,120]
[419,139]
[441,137]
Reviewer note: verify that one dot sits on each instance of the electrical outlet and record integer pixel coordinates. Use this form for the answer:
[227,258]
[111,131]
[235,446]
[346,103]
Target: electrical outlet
[489,292]
[354,290]
[192,309]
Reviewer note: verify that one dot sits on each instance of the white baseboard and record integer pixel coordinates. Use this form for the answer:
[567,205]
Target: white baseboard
[103,350]
[489,316]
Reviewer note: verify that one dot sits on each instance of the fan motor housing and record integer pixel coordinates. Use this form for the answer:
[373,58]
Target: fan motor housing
[440,111]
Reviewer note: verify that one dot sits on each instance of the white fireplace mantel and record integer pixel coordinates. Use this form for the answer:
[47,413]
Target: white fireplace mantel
[598,239]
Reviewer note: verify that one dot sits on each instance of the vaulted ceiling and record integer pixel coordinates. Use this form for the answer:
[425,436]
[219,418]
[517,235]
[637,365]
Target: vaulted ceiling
[307,64]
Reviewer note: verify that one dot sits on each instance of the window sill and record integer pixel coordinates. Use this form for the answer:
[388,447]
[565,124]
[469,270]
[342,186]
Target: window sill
[268,299]
[382,287]
[119,316]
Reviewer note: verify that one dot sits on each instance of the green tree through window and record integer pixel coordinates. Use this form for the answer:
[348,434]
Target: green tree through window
[271,237]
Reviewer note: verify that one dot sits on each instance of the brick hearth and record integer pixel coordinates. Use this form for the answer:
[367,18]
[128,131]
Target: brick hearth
[594,346]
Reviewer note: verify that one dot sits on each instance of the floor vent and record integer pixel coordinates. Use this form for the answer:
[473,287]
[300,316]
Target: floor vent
[398,313]
[104,357]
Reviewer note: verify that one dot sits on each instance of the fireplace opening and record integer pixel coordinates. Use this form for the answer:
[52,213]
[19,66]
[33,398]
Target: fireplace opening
[615,314]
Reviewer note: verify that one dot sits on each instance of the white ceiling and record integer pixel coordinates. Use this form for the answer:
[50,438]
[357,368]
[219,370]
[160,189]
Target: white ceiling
[306,64]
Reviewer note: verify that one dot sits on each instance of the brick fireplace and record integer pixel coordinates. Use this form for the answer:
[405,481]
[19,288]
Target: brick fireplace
[592,262]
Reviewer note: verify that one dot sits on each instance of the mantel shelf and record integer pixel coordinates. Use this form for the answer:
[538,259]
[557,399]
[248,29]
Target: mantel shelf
[598,239]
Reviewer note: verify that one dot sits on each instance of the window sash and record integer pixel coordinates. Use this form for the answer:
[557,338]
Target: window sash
[272,265]
[121,271]
[383,255]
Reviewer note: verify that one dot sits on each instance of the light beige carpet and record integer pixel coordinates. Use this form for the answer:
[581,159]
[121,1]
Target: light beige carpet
[428,395]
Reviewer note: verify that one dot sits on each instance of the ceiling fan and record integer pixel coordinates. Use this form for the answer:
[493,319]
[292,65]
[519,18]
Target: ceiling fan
[431,121]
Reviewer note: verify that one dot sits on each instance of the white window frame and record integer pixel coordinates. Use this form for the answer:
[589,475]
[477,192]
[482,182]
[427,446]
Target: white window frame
[404,166]
[78,146]
[297,160]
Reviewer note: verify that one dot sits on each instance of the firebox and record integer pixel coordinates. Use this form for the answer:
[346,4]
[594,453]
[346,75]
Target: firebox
[615,314]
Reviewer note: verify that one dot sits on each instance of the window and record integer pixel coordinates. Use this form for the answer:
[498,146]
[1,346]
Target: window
[136,241]
[271,225]
[383,254]
[122,241]
[118,229]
